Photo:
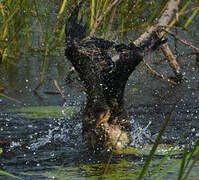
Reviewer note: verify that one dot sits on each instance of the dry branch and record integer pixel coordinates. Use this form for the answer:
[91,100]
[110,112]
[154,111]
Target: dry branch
[164,20]
[59,89]
[159,75]
[182,40]
[172,60]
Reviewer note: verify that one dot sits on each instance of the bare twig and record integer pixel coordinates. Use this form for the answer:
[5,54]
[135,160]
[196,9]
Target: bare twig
[172,60]
[159,75]
[171,10]
[164,20]
[182,40]
[59,89]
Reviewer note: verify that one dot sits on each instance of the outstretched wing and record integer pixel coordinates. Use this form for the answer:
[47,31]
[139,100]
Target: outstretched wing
[74,29]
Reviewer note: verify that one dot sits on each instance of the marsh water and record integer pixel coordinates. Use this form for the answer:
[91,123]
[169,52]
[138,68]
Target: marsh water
[49,145]
[40,133]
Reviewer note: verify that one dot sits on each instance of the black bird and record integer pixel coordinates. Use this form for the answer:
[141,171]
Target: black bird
[105,121]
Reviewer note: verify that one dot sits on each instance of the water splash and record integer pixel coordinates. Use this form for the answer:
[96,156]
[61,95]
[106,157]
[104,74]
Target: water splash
[67,132]
[139,135]
[42,140]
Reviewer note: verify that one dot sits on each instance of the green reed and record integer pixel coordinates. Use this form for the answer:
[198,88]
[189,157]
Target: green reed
[30,25]
[157,141]
[183,167]
[14,25]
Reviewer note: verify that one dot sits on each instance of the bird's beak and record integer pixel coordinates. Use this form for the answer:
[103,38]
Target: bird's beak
[104,117]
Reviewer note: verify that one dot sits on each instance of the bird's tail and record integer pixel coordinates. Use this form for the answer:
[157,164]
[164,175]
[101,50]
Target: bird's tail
[74,29]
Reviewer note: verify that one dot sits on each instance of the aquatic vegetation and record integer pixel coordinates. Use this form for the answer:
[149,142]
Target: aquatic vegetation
[162,149]
[183,164]
[47,112]
[10,98]
[3,173]
[1,88]
[29,26]
[15,17]
[122,169]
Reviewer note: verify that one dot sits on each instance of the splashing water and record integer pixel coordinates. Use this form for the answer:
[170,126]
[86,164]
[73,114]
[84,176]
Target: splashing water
[139,135]
[66,134]
[67,131]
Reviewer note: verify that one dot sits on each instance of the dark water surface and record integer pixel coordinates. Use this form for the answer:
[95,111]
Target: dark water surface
[40,145]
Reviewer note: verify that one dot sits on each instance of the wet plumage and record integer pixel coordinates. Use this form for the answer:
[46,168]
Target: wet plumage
[105,121]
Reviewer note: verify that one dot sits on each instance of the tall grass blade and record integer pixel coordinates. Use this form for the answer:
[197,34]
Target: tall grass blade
[165,160]
[38,17]
[62,7]
[191,18]
[44,65]
[165,172]
[157,141]
[193,152]
[192,165]
[182,167]
[10,98]
[103,14]
[3,173]
[93,5]
[99,7]
[159,10]
[11,16]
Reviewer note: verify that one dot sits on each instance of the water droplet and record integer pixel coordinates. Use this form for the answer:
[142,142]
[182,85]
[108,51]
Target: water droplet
[193,130]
